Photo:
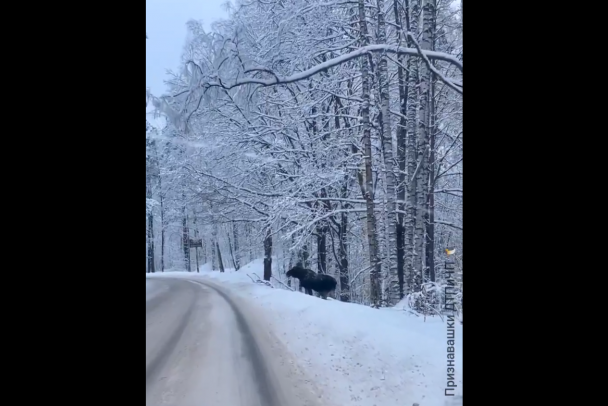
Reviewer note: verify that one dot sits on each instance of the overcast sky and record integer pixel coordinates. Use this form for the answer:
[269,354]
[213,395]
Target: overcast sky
[166,29]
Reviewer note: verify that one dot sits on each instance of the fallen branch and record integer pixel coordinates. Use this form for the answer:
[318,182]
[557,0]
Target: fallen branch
[288,287]
[267,283]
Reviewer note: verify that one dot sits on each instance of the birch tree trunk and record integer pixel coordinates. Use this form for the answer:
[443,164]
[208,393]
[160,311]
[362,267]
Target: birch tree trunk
[422,183]
[250,241]
[343,225]
[228,231]
[162,225]
[161,199]
[376,266]
[412,130]
[401,148]
[150,227]
[389,159]
[204,248]
[213,248]
[430,223]
[186,235]
[235,235]
[150,169]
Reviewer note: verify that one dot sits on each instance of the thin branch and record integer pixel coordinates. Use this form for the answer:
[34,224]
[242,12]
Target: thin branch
[288,287]
[446,223]
[452,85]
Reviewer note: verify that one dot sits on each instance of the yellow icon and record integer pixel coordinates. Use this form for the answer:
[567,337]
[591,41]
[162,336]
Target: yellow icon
[447,251]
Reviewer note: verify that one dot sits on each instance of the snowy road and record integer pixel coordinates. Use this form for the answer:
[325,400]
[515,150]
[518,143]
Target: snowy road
[206,348]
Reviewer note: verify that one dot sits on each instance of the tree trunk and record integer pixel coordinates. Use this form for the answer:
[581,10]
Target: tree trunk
[343,226]
[331,268]
[237,262]
[150,240]
[150,168]
[343,256]
[151,243]
[412,128]
[381,206]
[250,239]
[430,229]
[322,249]
[196,233]
[387,141]
[268,254]
[213,248]
[204,249]
[422,183]
[150,227]
[162,228]
[430,224]
[186,237]
[230,247]
[291,257]
[401,148]
[375,264]
[162,210]
[219,256]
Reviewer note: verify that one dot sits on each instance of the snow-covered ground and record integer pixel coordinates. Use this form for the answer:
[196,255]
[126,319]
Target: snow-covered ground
[357,355]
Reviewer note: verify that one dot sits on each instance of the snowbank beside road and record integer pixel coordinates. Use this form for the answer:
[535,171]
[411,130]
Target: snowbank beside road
[358,356]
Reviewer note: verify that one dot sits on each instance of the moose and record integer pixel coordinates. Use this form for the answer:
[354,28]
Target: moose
[310,280]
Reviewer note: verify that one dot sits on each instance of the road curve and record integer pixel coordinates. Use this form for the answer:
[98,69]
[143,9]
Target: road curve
[204,348]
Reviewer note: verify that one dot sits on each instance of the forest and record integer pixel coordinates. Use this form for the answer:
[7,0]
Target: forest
[325,133]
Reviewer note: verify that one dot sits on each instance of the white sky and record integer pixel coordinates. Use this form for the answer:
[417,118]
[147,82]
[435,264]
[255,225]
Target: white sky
[166,29]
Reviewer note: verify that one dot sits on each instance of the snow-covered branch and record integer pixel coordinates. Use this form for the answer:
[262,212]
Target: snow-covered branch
[451,84]
[447,223]
[432,55]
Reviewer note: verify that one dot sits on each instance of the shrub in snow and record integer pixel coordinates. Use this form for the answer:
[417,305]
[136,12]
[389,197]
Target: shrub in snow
[431,299]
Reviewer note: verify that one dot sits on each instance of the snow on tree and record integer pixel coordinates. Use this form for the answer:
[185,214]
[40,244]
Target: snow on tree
[328,133]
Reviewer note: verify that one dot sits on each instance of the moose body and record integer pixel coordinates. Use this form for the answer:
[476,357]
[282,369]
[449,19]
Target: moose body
[310,280]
